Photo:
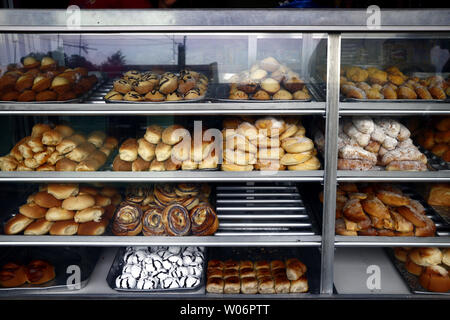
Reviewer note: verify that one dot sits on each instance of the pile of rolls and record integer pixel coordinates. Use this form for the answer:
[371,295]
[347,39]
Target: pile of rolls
[44,80]
[268,80]
[431,265]
[379,210]
[59,148]
[366,143]
[373,83]
[433,136]
[267,143]
[150,86]
[166,210]
[65,209]
[165,149]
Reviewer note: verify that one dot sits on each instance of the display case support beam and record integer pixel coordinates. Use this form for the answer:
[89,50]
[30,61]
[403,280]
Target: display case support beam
[331,132]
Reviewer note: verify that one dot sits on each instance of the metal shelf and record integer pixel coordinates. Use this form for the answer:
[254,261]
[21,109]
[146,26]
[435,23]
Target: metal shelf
[393,176]
[165,176]
[147,109]
[394,108]
[116,241]
[367,241]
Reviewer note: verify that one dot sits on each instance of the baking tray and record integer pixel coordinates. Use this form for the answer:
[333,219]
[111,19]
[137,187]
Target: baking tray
[311,257]
[311,197]
[220,92]
[434,161]
[119,263]
[61,258]
[411,281]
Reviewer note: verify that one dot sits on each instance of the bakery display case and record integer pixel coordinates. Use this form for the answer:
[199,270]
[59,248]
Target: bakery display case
[227,154]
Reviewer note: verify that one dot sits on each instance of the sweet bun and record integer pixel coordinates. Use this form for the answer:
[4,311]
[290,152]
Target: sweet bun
[435,278]
[65,164]
[38,227]
[89,214]
[128,151]
[121,165]
[59,214]
[64,228]
[297,144]
[62,191]
[282,95]
[174,134]
[93,228]
[426,256]
[46,200]
[32,210]
[46,95]
[12,275]
[412,267]
[17,224]
[270,86]
[79,202]
[153,134]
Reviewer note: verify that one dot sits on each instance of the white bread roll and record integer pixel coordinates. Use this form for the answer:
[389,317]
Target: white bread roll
[62,191]
[59,214]
[89,214]
[79,202]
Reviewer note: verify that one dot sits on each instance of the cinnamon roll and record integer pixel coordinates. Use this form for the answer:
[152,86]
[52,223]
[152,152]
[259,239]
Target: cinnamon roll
[137,194]
[187,189]
[164,194]
[190,202]
[176,220]
[152,222]
[127,220]
[204,221]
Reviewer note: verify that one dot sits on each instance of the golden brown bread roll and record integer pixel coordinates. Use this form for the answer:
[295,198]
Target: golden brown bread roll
[128,151]
[64,228]
[79,202]
[439,195]
[96,138]
[38,227]
[46,200]
[51,138]
[59,214]
[89,214]
[32,210]
[17,224]
[297,144]
[81,152]
[146,150]
[295,269]
[65,164]
[93,228]
[174,134]
[140,165]
[435,278]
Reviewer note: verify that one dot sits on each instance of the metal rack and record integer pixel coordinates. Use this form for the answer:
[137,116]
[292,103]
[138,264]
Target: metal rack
[333,22]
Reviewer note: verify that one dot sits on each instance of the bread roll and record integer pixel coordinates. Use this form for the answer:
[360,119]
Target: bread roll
[297,144]
[64,130]
[64,228]
[81,152]
[46,200]
[51,138]
[435,278]
[62,191]
[79,202]
[93,228]
[235,167]
[128,151]
[59,214]
[163,151]
[89,214]
[426,256]
[156,165]
[295,269]
[174,134]
[311,164]
[247,130]
[270,153]
[17,224]
[270,126]
[65,164]
[38,227]
[290,159]
[140,165]
[102,201]
[239,157]
[39,129]
[439,195]
[299,286]
[146,150]
[171,165]
[153,134]
[120,165]
[97,138]
[32,210]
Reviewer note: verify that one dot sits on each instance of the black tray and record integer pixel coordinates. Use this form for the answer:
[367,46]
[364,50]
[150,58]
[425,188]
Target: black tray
[61,258]
[119,263]
[309,256]
[220,92]
[411,280]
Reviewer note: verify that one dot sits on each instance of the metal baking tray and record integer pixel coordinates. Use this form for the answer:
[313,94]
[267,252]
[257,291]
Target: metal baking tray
[85,258]
[434,161]
[411,280]
[311,197]
[311,257]
[220,92]
[109,86]
[119,263]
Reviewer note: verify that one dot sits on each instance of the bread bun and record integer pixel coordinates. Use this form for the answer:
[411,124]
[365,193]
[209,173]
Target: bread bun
[59,214]
[174,134]
[64,228]
[311,164]
[89,214]
[32,210]
[435,278]
[78,202]
[146,150]
[290,159]
[153,134]
[426,256]
[93,228]
[128,151]
[46,200]
[38,227]
[62,191]
[297,144]
[65,164]
[270,126]
[412,267]
[120,165]
[17,224]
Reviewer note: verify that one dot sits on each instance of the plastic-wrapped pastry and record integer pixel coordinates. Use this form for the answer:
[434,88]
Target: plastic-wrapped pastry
[176,220]
[127,220]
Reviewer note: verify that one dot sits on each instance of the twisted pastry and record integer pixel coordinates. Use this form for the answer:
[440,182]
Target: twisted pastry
[187,189]
[137,194]
[127,220]
[176,220]
[204,220]
[152,222]
[164,194]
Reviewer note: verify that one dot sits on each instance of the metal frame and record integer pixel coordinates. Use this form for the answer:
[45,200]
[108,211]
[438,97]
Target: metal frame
[331,21]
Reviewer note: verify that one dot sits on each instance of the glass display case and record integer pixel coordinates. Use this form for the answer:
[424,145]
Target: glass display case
[186,143]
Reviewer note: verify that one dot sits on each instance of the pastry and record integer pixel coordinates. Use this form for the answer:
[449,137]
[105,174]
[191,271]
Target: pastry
[260,95]
[152,222]
[155,96]
[113,95]
[282,95]
[204,221]
[128,151]
[176,220]
[133,96]
[46,95]
[127,220]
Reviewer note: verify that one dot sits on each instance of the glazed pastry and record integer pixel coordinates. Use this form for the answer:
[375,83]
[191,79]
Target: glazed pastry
[204,220]
[192,94]
[60,85]
[122,86]
[176,220]
[168,83]
[24,82]
[133,96]
[26,96]
[127,220]
[136,193]
[113,95]
[143,86]
[186,82]
[174,96]
[293,83]
[152,222]
[132,75]
[155,96]
[11,96]
[30,62]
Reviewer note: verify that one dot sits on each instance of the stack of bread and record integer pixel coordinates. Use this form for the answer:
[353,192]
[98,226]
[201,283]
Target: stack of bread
[434,136]
[166,149]
[379,210]
[268,80]
[44,81]
[59,148]
[150,86]
[36,272]
[65,209]
[267,143]
[364,143]
[431,265]
[261,276]
[166,210]
[373,83]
